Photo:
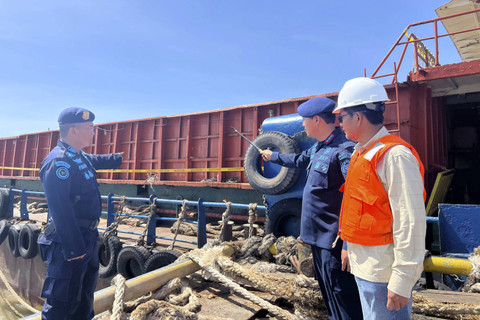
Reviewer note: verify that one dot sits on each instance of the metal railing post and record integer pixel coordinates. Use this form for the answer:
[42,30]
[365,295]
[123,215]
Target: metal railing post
[202,225]
[23,206]
[435,24]
[110,210]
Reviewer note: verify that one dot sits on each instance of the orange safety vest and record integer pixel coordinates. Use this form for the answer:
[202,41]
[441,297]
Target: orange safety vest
[366,217]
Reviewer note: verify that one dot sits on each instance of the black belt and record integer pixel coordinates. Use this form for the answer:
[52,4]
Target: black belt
[87,224]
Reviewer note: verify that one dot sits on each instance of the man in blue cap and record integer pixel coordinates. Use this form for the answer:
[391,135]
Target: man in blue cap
[326,163]
[69,243]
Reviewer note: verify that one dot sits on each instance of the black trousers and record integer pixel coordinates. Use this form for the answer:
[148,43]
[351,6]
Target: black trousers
[339,289]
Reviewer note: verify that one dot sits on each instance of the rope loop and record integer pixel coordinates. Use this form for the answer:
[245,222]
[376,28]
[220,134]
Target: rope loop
[181,217]
[153,210]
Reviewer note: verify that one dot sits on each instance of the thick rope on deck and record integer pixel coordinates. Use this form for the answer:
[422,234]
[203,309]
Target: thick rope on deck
[207,260]
[117,311]
[174,285]
[422,305]
[472,283]
[181,217]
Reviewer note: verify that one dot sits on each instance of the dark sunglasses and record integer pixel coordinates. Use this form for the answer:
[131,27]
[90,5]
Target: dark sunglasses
[340,117]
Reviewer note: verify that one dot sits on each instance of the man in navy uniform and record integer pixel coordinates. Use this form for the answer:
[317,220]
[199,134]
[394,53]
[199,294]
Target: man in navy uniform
[326,163]
[69,243]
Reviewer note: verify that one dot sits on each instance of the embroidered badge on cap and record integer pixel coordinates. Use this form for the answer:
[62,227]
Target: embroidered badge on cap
[62,173]
[86,115]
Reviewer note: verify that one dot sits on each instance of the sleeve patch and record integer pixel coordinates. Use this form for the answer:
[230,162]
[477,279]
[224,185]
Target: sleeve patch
[63,173]
[345,166]
[344,155]
[62,164]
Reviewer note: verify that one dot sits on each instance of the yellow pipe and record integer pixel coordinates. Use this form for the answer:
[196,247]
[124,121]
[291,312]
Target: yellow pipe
[447,265]
[145,283]
[139,286]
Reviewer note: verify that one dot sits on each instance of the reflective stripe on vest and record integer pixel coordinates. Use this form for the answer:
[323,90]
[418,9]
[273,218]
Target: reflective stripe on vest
[366,217]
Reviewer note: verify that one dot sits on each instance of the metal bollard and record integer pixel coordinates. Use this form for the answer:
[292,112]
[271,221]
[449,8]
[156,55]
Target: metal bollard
[226,232]
[246,230]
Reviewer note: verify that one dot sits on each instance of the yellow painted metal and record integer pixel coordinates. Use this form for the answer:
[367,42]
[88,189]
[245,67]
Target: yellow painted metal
[141,285]
[447,265]
[439,191]
[233,169]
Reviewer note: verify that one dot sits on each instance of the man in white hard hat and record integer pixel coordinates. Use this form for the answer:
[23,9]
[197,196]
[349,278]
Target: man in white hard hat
[382,218]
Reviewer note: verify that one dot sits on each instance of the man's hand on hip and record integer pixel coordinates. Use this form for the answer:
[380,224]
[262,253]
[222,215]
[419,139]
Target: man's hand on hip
[395,301]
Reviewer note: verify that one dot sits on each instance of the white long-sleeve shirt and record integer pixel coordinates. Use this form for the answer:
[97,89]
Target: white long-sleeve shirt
[399,264]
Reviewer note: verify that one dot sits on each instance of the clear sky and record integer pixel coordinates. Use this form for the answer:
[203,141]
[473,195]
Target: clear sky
[132,59]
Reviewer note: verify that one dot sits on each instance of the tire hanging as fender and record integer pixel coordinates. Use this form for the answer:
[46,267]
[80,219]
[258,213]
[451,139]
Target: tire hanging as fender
[4,227]
[27,241]
[4,202]
[161,259]
[254,172]
[13,234]
[131,261]
[108,251]
[284,218]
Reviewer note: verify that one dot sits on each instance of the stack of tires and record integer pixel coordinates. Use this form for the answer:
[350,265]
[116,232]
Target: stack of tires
[22,238]
[283,217]
[131,261]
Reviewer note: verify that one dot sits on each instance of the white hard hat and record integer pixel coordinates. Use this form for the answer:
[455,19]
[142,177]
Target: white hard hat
[360,91]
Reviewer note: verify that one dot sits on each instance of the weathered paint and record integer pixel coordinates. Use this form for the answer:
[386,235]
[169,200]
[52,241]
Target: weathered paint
[459,228]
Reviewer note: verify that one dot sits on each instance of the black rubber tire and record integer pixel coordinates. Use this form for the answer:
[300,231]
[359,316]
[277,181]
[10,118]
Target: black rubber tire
[286,177]
[27,241]
[42,205]
[108,251]
[161,259]
[4,202]
[13,234]
[284,218]
[131,261]
[4,226]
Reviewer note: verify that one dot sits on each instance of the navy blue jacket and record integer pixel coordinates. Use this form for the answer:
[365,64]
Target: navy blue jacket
[71,190]
[327,165]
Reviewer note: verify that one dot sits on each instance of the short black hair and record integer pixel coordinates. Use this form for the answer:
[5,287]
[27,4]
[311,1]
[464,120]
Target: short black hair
[374,117]
[64,128]
[328,117]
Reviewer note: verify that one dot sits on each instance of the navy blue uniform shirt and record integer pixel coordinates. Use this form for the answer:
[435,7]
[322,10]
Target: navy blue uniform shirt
[71,190]
[327,165]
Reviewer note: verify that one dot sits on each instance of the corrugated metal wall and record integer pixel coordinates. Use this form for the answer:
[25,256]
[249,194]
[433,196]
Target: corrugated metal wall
[199,140]
[205,140]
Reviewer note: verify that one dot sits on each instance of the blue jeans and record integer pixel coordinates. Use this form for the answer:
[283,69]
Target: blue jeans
[374,296]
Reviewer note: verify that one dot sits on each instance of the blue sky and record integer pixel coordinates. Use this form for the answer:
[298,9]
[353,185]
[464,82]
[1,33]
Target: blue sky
[132,59]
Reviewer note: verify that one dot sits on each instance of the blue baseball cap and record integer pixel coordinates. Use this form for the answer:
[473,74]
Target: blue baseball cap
[315,106]
[75,115]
